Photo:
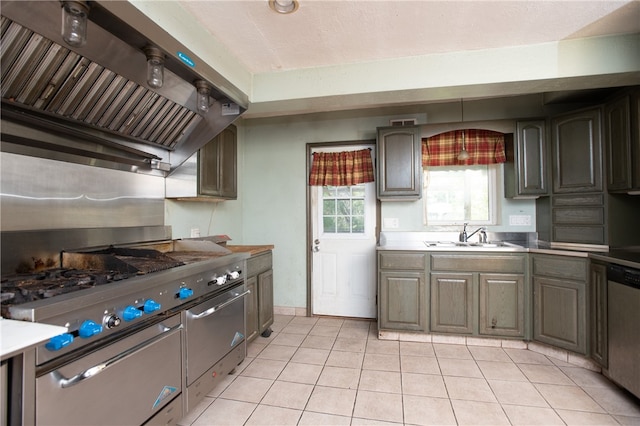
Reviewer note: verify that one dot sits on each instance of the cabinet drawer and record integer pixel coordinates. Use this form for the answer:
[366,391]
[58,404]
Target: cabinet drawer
[478,263]
[402,260]
[579,215]
[579,234]
[257,264]
[578,200]
[560,267]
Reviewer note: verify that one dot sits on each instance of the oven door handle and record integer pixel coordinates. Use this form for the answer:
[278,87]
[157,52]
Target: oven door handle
[64,382]
[218,307]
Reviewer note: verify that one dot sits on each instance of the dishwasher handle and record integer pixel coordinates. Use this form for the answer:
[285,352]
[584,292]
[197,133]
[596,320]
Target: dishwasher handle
[216,308]
[64,382]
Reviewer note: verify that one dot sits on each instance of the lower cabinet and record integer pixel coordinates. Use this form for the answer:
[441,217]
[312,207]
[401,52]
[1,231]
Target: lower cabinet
[402,298]
[479,294]
[402,301]
[452,303]
[259,303]
[559,301]
[502,305]
[598,314]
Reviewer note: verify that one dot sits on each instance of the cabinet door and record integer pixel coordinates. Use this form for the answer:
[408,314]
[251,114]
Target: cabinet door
[577,152]
[598,314]
[618,144]
[529,161]
[635,140]
[559,313]
[502,304]
[452,303]
[252,308]
[402,301]
[265,300]
[399,163]
[217,163]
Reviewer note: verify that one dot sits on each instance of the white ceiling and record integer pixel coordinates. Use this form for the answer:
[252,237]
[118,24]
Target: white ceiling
[336,32]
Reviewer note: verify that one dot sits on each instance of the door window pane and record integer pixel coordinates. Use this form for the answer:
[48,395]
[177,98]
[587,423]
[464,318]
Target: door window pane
[343,209]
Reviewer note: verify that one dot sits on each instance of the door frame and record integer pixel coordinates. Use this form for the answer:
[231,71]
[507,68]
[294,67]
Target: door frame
[309,238]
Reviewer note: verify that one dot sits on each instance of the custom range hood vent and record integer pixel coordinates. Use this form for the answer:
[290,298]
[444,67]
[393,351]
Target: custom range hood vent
[93,102]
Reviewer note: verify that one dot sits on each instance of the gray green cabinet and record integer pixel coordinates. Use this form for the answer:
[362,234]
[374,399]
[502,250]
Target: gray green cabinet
[579,218]
[525,172]
[560,301]
[217,166]
[259,305]
[399,163]
[617,115]
[402,298]
[577,152]
[622,142]
[598,314]
[452,306]
[479,294]
[502,305]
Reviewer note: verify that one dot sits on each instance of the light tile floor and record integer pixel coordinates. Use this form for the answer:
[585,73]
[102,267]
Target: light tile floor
[328,371]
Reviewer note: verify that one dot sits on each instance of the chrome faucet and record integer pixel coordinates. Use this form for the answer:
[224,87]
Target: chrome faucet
[464,237]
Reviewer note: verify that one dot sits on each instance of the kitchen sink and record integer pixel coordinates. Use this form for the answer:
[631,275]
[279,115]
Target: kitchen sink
[454,245]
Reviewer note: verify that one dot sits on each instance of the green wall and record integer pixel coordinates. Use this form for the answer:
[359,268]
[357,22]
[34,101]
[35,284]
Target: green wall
[271,208]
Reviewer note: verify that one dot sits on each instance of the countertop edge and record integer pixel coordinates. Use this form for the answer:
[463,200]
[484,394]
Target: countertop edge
[600,256]
[17,336]
[251,249]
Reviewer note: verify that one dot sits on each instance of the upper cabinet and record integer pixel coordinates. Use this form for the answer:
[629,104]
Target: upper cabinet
[577,152]
[399,163]
[525,173]
[217,166]
[622,142]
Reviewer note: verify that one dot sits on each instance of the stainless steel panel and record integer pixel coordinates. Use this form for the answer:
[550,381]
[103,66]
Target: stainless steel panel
[211,333]
[129,390]
[624,339]
[46,194]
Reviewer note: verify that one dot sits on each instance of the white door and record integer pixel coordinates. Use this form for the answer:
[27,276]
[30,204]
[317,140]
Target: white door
[343,278]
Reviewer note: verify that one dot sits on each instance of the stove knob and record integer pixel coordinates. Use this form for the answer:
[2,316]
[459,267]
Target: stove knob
[130,313]
[89,328]
[185,293]
[150,306]
[58,342]
[221,280]
[111,321]
[234,275]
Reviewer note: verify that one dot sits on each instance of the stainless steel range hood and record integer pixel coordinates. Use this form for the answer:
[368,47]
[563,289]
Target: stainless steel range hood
[92,104]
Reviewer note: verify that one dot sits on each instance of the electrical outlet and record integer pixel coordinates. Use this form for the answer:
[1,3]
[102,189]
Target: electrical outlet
[195,232]
[391,222]
[520,220]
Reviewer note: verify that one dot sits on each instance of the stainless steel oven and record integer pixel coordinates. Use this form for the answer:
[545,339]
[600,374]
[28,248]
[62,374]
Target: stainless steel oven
[140,321]
[126,382]
[215,341]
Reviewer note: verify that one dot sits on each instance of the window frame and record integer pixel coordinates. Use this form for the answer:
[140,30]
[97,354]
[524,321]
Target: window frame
[492,187]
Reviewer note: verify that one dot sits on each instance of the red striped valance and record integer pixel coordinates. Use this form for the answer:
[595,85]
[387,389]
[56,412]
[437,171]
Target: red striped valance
[341,168]
[483,146]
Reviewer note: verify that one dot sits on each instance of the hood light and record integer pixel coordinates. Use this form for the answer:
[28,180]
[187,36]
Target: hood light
[74,22]
[284,6]
[203,96]
[155,67]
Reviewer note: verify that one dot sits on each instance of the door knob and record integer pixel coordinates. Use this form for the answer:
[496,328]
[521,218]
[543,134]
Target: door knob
[315,247]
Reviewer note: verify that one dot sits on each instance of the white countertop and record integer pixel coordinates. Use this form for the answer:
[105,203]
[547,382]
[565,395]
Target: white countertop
[16,336]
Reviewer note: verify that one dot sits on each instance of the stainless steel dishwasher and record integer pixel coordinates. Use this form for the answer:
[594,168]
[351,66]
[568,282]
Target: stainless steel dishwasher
[624,326]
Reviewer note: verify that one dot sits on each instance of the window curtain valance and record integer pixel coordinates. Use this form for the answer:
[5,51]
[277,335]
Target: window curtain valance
[483,146]
[341,168]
